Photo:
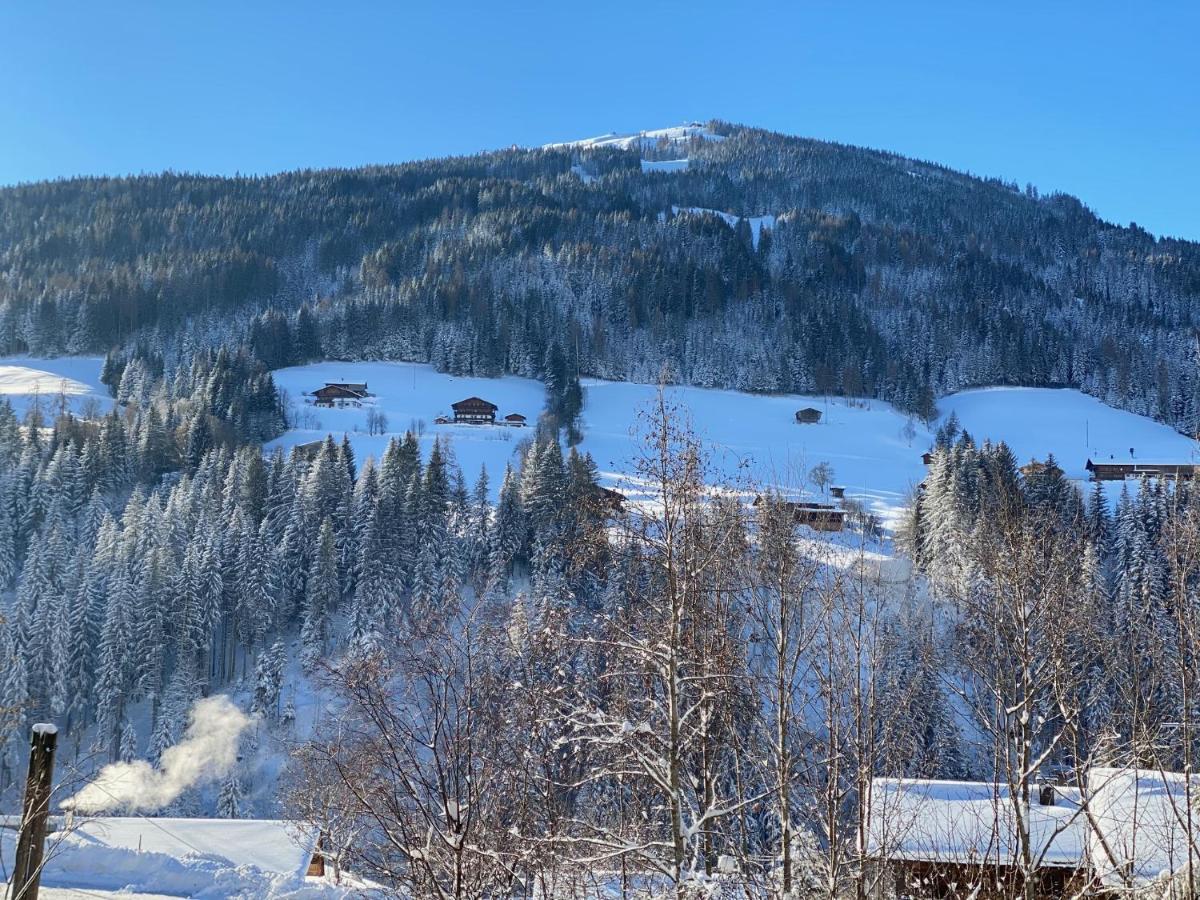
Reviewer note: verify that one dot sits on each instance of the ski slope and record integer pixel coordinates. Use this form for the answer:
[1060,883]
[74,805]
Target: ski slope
[25,380]
[411,396]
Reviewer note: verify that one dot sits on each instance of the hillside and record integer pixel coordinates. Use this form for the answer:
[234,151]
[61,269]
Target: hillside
[821,268]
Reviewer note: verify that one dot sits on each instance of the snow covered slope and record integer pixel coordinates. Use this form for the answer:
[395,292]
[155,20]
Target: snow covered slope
[77,378]
[1035,422]
[678,134]
[756,442]
[411,396]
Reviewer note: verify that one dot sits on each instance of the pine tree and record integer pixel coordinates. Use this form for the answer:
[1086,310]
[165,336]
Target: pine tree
[321,597]
[231,798]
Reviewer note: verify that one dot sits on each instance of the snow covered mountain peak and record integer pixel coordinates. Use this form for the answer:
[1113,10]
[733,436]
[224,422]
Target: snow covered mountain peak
[676,134]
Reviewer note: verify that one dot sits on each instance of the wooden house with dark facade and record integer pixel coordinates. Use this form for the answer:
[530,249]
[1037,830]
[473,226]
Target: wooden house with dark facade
[1119,471]
[474,411]
[808,416]
[817,516]
[340,393]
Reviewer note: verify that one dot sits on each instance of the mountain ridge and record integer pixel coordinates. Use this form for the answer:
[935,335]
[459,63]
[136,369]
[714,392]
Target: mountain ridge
[881,275]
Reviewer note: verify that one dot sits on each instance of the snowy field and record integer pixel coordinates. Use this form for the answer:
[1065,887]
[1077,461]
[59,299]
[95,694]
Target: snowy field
[753,438]
[411,396]
[1036,422]
[755,442]
[24,380]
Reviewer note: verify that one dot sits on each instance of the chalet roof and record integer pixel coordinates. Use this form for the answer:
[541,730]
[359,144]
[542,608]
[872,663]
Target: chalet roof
[357,386]
[474,403]
[341,390]
[514,417]
[808,409]
[1137,823]
[1142,814]
[969,822]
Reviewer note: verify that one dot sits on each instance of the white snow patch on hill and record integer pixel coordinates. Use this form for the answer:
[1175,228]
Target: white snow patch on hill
[757,223]
[677,134]
[1036,422]
[24,379]
[755,441]
[411,396]
[664,165]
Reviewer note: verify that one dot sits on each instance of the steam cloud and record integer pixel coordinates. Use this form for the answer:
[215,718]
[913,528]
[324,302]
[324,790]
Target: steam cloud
[208,751]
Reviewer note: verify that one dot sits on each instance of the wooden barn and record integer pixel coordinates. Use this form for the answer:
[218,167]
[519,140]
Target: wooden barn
[340,394]
[474,411]
[808,416]
[515,419]
[817,516]
[927,458]
[1119,471]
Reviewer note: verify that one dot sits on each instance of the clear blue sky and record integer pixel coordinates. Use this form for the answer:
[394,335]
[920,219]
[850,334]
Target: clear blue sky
[1100,99]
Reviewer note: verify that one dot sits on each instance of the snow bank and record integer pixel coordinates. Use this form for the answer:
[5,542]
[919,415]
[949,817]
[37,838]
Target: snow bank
[412,395]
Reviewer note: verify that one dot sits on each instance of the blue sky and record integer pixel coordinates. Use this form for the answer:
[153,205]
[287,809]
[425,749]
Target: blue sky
[1100,99]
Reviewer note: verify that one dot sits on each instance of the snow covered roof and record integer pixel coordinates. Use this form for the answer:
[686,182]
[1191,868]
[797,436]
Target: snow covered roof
[969,822]
[1142,816]
[241,858]
[1134,827]
[272,845]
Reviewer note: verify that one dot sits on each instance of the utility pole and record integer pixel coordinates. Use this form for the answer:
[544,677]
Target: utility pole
[31,840]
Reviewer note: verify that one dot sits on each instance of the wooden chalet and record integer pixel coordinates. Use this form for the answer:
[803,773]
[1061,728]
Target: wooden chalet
[308,452]
[808,416]
[340,394]
[607,498]
[1036,467]
[837,492]
[442,420]
[817,516]
[474,411]
[940,839]
[927,457]
[515,419]
[1119,471]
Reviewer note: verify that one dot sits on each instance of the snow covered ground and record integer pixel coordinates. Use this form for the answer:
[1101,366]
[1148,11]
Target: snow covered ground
[411,396]
[756,443]
[664,165]
[1074,427]
[754,438]
[677,134]
[24,379]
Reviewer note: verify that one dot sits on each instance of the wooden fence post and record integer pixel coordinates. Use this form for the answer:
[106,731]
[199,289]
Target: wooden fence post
[31,840]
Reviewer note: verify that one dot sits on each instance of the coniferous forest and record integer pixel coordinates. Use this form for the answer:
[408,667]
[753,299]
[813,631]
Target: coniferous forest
[881,276]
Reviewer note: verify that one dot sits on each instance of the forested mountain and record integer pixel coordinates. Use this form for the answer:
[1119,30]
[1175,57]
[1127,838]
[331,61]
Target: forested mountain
[875,275]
